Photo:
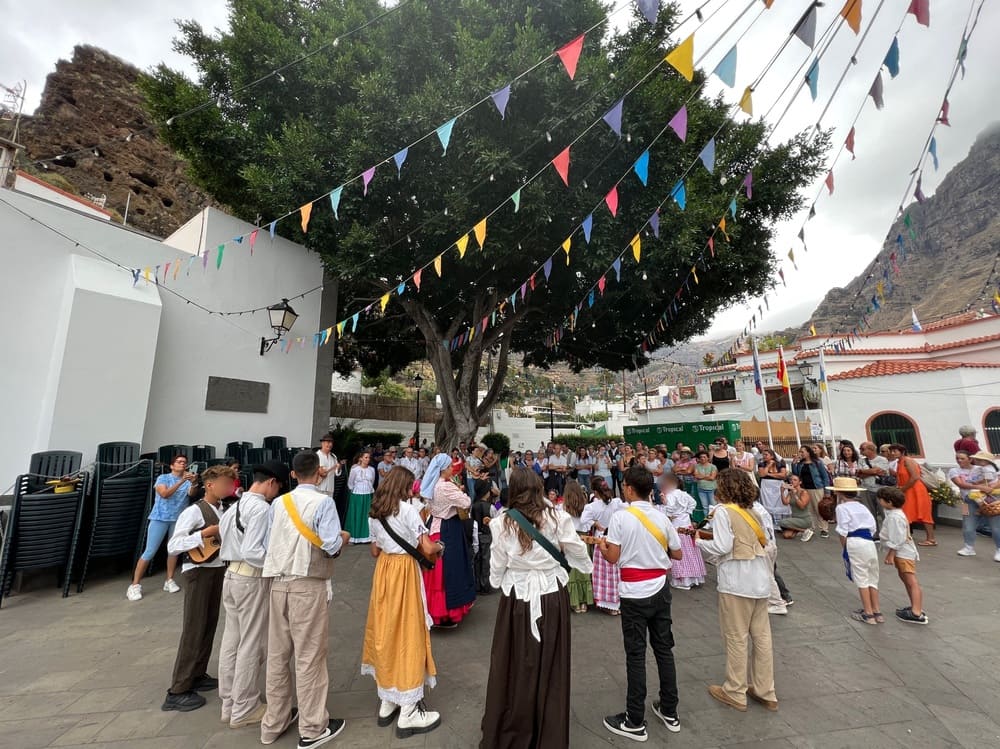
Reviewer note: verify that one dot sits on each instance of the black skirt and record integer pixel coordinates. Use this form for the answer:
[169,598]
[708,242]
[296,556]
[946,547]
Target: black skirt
[527,696]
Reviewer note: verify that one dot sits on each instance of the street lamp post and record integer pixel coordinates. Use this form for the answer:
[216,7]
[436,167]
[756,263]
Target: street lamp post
[418,382]
[552,418]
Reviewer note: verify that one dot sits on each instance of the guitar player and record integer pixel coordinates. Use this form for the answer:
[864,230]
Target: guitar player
[196,535]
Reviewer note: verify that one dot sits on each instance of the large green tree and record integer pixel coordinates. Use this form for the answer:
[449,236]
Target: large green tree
[268,148]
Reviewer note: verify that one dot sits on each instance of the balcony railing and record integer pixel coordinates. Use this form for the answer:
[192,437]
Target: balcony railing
[358,406]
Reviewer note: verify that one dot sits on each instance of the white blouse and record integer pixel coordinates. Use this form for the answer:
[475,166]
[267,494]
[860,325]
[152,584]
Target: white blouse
[533,573]
[598,512]
[407,525]
[361,480]
[678,506]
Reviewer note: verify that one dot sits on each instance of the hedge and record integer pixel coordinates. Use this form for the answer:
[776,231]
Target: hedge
[499,443]
[574,441]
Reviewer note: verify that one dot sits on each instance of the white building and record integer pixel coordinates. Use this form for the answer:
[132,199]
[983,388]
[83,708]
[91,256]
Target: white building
[92,357]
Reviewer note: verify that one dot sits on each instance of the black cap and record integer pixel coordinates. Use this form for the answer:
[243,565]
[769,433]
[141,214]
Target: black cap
[275,469]
[327,437]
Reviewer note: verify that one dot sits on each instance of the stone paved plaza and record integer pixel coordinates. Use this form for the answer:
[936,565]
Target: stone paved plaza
[92,670]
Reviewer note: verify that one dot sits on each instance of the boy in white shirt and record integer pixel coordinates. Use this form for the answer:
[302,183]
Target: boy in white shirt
[856,528]
[902,553]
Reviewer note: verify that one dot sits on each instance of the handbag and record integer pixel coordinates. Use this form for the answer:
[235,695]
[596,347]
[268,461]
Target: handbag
[827,508]
[886,480]
[989,509]
[426,563]
[529,528]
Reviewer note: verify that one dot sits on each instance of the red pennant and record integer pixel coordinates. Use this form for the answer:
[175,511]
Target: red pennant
[532,281]
[570,54]
[922,10]
[561,163]
[711,245]
[253,240]
[601,283]
[943,116]
[416,278]
[849,143]
[612,200]
[829,182]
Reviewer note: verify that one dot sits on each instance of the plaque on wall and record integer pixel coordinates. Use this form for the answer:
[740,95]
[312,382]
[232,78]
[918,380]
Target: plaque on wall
[246,396]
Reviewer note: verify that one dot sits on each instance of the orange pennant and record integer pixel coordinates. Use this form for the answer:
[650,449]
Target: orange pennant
[852,14]
[306,212]
[437,265]
[480,232]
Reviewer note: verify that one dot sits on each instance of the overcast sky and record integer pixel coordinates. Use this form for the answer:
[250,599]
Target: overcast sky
[849,227]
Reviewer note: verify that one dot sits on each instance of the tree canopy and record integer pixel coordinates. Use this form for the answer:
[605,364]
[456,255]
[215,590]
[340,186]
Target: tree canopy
[268,148]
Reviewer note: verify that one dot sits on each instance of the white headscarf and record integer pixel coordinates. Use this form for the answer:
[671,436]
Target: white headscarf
[438,463]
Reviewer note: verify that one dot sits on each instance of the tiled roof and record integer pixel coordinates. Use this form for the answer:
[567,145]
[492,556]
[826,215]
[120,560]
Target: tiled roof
[907,366]
[925,349]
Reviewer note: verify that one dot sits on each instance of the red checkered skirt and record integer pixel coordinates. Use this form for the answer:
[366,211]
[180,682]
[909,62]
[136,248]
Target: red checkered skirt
[605,580]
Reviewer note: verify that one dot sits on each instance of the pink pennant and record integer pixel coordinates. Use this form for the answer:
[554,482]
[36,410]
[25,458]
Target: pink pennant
[601,283]
[922,10]
[569,55]
[849,143]
[416,278]
[253,240]
[561,163]
[679,123]
[531,281]
[366,178]
[612,200]
[829,182]
[711,245]
[943,117]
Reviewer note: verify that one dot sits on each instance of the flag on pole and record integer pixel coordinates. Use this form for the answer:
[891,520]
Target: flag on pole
[783,372]
[822,372]
[758,381]
[916,322]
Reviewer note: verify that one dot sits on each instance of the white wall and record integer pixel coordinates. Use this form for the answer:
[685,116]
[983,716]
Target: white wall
[40,189]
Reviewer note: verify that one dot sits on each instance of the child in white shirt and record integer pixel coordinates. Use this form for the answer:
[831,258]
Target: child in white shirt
[895,536]
[856,528]
[688,571]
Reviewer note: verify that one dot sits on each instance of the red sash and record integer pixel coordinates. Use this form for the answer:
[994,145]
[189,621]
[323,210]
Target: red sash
[638,575]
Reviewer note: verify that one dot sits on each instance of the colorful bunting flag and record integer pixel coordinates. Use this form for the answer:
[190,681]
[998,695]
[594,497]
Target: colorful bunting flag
[354,322]
[617,265]
[654,223]
[416,278]
[601,283]
[306,212]
[829,181]
[812,78]
[590,298]
[891,61]
[650,9]
[748,184]
[922,10]
[271,228]
[641,167]
[462,243]
[335,201]
[746,101]
[852,14]
[546,269]
[943,116]
[561,164]
[636,244]
[781,275]
[218,260]
[805,29]
[611,199]
[681,58]
[500,99]
[849,145]
[444,133]
[918,193]
[707,156]
[694,272]
[722,228]
[570,54]
[480,232]
[614,117]
[679,194]
[383,301]
[366,179]
[588,225]
[399,158]
[876,90]
[932,150]
[791,256]
[437,265]
[567,243]
[516,199]
[732,207]
[253,241]
[679,123]
[726,69]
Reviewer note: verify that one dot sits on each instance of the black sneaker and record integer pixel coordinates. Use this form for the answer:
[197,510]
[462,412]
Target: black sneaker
[824,534]
[205,683]
[333,729]
[907,615]
[184,702]
[670,721]
[622,726]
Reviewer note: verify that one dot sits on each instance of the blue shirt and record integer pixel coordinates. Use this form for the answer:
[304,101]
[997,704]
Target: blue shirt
[168,509]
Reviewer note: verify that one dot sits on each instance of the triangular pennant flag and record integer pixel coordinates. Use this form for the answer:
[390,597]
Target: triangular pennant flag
[601,283]
[561,164]
[437,265]
[650,9]
[611,199]
[849,145]
[177,268]
[891,61]
[444,133]
[679,123]
[932,150]
[531,281]
[694,272]
[383,301]
[829,181]
[204,259]
[791,256]
[238,240]
[166,270]
[812,212]
[918,193]
[253,241]
[366,178]
[726,69]
[306,212]
[156,270]
[569,54]
[513,301]
[617,265]
[922,10]
[876,91]
[812,78]
[711,246]
[335,201]
[354,322]
[732,207]
[588,225]
[614,117]
[480,231]
[218,258]
[852,14]
[748,185]
[547,268]
[805,29]
[746,101]
[781,275]
[636,244]
[524,290]
[500,99]
[707,156]
[566,246]
[416,278]
[641,167]
[399,158]
[722,228]
[135,276]
[462,243]
[270,229]
[654,223]
[590,298]
[516,199]
[340,328]
[679,194]
[681,58]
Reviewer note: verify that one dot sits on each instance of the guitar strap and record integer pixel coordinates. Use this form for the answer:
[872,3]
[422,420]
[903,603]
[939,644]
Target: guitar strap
[293,514]
[654,531]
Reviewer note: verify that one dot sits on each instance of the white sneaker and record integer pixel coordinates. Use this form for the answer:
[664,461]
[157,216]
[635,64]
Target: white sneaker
[996,557]
[170,586]
[807,534]
[967,551]
[387,713]
[416,719]
[781,610]
[134,592]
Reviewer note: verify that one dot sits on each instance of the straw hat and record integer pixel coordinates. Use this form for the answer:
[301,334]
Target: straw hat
[845,484]
[983,455]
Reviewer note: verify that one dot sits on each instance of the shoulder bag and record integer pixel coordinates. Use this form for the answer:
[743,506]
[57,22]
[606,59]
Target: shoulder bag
[427,564]
[528,527]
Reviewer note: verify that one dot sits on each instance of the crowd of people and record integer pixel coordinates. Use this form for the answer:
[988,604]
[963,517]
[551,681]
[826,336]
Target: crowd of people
[614,526]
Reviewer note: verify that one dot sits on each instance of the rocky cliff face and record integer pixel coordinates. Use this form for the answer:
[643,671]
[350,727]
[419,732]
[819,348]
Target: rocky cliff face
[93,98]
[947,263]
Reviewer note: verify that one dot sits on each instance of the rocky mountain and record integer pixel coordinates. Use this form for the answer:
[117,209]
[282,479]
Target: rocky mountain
[93,98]
[950,259]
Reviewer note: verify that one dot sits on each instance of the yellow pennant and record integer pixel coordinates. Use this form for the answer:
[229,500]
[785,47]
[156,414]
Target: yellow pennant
[746,101]
[462,244]
[306,212]
[472,332]
[384,301]
[480,230]
[329,335]
[340,328]
[145,273]
[682,58]
[722,228]
[636,247]
[812,330]
[566,246]
[694,272]
[437,265]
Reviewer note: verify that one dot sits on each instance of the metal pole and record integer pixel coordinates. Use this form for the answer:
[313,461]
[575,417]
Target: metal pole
[552,422]
[417,430]
[763,395]
[791,404]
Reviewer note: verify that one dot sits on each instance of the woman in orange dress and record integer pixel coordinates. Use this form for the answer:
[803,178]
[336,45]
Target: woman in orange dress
[918,502]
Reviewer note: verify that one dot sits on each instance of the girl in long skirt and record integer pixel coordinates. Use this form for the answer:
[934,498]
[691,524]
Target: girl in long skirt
[397,649]
[527,695]
[361,485]
[451,585]
[598,515]
[689,570]
[580,587]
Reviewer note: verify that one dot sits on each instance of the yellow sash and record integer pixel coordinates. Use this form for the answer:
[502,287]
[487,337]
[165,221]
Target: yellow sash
[656,532]
[751,521]
[293,513]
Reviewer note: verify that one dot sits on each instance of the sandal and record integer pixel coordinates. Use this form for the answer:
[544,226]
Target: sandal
[878,617]
[861,616]
[614,612]
[927,543]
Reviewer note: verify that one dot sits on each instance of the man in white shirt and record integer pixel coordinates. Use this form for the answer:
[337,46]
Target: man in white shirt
[870,467]
[411,463]
[387,463]
[557,467]
[197,528]
[244,529]
[329,466]
[424,460]
[641,541]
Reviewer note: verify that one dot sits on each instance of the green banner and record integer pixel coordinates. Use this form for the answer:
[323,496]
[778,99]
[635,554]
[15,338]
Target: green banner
[691,433]
[601,431]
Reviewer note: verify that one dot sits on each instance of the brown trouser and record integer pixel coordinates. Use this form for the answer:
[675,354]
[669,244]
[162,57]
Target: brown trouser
[298,628]
[202,600]
[742,620]
[244,643]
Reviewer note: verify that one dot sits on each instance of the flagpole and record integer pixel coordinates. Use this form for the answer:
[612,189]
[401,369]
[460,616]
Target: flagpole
[824,391]
[791,403]
[763,391]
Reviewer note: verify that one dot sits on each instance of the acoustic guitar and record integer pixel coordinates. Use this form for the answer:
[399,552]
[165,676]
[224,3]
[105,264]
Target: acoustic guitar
[206,553]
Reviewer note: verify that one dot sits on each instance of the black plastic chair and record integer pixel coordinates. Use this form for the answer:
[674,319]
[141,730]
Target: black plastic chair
[216,462]
[275,444]
[238,450]
[43,532]
[52,464]
[257,455]
[203,453]
[166,453]
[122,501]
[118,453]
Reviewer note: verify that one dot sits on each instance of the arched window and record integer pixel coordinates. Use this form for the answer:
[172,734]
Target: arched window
[991,429]
[891,427]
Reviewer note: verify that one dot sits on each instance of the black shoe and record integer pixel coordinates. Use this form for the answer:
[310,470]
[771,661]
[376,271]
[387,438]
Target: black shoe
[622,726]
[907,615]
[184,702]
[335,726]
[205,683]
[446,625]
[670,721]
